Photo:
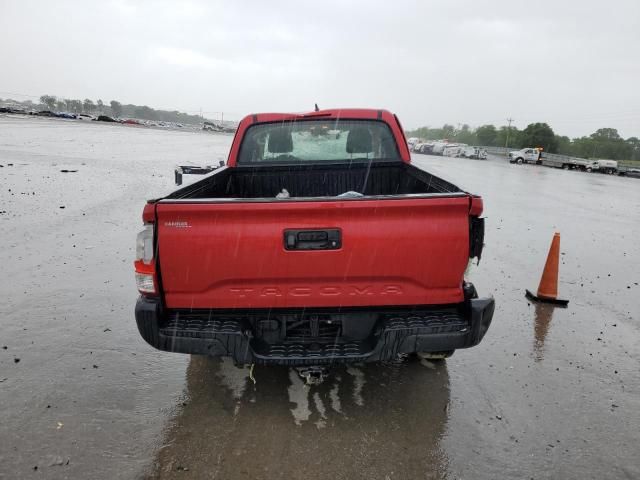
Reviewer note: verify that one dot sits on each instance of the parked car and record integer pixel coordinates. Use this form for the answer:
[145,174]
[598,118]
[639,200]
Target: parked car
[309,250]
[603,166]
[422,148]
[413,141]
[474,152]
[213,127]
[426,148]
[629,172]
[414,147]
[453,150]
[438,147]
[12,110]
[526,155]
[105,118]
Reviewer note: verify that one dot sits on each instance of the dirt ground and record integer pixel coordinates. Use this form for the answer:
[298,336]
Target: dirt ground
[549,393]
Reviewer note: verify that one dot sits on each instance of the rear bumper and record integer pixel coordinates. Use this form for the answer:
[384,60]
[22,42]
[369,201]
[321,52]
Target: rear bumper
[389,333]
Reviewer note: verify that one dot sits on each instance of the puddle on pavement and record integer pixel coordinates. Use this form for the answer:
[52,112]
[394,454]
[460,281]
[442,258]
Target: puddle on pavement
[542,324]
[298,396]
[361,419]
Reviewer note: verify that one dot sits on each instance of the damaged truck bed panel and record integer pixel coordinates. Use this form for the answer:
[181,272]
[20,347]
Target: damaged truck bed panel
[319,242]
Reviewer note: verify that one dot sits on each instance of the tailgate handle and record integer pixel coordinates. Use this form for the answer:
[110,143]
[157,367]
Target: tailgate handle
[326,239]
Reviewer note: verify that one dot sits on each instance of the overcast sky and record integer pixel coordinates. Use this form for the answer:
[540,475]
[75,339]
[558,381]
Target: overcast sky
[572,63]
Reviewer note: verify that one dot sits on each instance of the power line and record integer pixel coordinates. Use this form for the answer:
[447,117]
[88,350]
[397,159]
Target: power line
[510,120]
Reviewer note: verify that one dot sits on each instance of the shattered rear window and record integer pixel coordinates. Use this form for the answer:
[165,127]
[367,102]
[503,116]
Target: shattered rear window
[318,141]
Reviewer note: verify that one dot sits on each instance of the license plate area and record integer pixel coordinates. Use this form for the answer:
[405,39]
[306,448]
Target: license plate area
[312,328]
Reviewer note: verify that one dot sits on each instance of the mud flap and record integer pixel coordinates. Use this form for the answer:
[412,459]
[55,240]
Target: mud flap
[476,237]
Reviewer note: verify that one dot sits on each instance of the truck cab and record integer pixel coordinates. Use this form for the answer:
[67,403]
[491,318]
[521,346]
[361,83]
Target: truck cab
[526,155]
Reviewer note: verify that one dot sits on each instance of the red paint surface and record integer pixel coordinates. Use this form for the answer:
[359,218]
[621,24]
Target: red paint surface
[394,252]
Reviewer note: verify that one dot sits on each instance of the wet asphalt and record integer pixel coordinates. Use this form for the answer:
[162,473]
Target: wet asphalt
[550,393]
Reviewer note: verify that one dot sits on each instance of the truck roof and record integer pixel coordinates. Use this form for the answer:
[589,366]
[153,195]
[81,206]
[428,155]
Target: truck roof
[356,113]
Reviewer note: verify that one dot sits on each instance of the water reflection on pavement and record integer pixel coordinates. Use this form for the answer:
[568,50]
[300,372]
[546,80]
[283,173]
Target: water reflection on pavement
[542,323]
[365,421]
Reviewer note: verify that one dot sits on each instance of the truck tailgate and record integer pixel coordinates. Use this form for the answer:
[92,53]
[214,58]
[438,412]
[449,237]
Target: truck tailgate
[409,251]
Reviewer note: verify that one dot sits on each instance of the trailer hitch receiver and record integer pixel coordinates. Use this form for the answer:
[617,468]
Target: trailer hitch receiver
[312,375]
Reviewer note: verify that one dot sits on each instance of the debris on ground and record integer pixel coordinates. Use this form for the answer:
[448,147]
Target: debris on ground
[56,460]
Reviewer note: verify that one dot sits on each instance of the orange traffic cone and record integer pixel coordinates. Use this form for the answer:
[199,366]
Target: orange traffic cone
[548,289]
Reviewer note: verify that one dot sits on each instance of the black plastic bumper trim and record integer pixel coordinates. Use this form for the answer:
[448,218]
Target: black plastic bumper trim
[437,332]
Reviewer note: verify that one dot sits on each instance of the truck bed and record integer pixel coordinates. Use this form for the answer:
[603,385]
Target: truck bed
[313,181]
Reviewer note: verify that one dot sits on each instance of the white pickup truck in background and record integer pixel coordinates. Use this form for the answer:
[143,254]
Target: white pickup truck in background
[603,166]
[526,155]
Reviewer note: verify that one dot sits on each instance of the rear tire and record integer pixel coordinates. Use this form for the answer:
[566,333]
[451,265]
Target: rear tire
[565,167]
[589,169]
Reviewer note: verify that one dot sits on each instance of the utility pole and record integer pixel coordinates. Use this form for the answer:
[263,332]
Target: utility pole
[506,143]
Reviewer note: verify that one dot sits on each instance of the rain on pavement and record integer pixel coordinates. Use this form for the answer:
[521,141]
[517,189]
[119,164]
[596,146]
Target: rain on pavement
[549,393]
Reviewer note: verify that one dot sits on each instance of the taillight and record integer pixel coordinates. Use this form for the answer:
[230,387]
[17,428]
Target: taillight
[144,244]
[476,207]
[144,264]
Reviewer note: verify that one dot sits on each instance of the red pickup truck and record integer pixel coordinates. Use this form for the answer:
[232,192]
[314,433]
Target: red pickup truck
[318,243]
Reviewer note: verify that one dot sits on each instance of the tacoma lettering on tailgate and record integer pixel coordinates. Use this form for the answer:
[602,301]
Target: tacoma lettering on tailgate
[326,291]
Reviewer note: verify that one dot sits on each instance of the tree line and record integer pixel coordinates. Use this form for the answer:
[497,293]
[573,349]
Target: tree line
[603,143]
[116,109]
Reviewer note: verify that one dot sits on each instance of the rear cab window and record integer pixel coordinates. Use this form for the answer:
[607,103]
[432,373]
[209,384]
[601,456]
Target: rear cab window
[318,140]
